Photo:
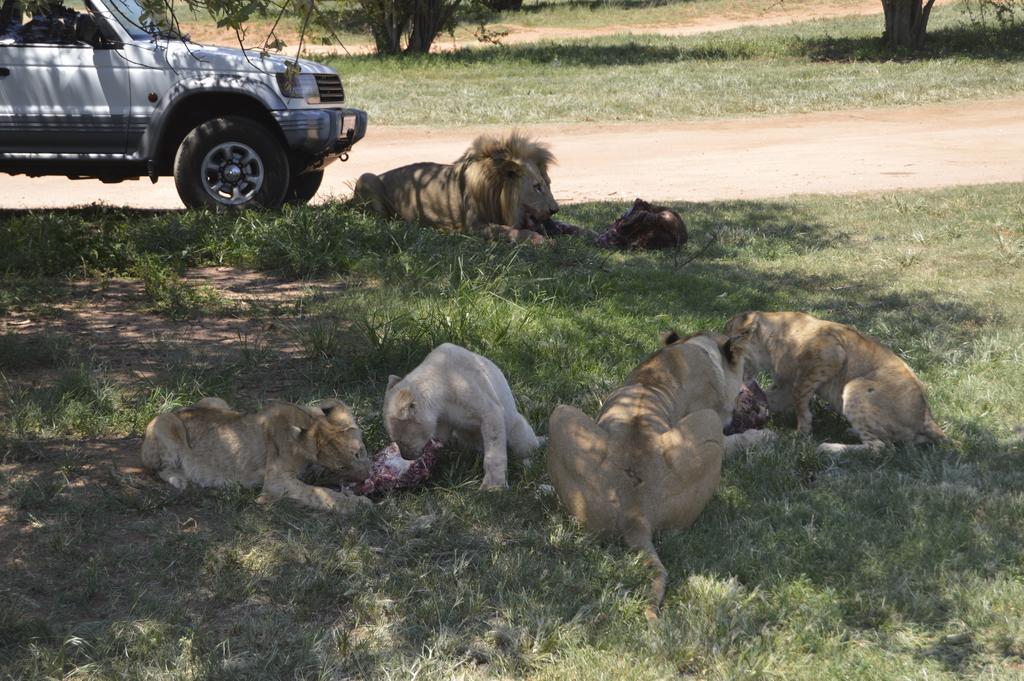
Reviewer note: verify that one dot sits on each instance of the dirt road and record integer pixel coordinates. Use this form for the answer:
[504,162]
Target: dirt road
[834,152]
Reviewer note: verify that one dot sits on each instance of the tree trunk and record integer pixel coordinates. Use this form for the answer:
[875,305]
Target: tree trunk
[906,22]
[504,5]
[388,20]
[429,18]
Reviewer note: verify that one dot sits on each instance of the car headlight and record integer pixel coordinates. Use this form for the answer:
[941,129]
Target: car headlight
[299,86]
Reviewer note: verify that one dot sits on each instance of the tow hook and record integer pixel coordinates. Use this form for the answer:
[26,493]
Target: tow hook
[344,156]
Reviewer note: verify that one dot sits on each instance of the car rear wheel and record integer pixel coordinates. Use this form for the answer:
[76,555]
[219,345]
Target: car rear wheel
[231,162]
[303,187]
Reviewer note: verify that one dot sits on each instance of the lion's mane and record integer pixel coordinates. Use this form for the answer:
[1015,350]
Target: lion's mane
[492,167]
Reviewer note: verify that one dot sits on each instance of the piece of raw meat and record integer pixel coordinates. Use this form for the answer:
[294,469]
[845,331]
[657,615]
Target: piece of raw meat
[751,409]
[645,226]
[390,471]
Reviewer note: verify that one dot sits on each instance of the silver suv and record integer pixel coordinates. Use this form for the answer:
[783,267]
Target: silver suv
[100,92]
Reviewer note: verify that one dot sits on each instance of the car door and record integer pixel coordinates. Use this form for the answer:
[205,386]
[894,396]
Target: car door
[63,99]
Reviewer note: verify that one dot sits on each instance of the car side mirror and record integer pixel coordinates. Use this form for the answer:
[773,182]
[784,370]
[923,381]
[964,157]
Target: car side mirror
[87,30]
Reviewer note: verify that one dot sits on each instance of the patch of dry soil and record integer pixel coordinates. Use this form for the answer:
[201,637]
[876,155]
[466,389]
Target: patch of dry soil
[108,323]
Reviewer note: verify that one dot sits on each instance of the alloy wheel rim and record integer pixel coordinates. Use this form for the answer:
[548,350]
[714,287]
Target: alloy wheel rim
[232,173]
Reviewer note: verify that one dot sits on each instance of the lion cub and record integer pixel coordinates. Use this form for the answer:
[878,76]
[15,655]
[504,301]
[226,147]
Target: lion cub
[653,458]
[861,378]
[210,445]
[458,393]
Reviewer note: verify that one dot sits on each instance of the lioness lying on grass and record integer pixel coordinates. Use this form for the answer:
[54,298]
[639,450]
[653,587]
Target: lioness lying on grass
[859,377]
[211,445]
[653,459]
[499,188]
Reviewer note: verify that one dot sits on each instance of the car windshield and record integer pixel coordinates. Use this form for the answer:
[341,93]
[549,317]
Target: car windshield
[140,22]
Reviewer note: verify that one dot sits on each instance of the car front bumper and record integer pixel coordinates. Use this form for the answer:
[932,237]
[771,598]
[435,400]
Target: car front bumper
[320,136]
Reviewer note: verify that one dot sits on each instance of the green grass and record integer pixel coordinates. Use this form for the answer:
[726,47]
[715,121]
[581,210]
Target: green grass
[601,13]
[901,564]
[812,66]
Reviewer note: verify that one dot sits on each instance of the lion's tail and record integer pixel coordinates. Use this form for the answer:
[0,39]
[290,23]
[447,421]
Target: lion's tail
[641,539]
[930,432]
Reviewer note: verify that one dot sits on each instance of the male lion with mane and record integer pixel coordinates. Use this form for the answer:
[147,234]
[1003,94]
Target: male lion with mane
[211,445]
[499,188]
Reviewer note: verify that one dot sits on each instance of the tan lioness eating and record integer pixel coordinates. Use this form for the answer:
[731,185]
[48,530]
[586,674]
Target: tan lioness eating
[653,458]
[859,377]
[211,445]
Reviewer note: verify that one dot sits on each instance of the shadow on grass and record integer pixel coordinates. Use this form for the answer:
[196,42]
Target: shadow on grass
[535,7]
[497,577]
[889,533]
[629,51]
[471,576]
[724,281]
[101,557]
[968,41]
[458,271]
[298,242]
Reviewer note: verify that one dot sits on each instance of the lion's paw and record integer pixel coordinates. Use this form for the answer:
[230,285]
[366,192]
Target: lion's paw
[831,448]
[749,438]
[359,502]
[175,479]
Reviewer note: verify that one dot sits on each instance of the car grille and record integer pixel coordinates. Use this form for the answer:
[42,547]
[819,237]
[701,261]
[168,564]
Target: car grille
[330,88]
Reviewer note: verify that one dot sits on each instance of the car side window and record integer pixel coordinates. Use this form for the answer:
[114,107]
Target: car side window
[11,21]
[52,23]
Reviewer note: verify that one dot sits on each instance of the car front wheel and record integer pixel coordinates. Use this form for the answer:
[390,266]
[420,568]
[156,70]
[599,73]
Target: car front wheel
[231,162]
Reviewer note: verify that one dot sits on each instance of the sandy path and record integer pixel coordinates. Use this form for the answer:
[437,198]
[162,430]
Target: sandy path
[832,152]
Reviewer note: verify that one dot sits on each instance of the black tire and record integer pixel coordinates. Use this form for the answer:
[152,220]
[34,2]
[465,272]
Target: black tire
[303,187]
[253,167]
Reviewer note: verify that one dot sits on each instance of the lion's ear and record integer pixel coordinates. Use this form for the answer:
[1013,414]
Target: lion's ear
[745,321]
[509,166]
[669,337]
[405,403]
[392,380]
[734,348]
[326,431]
